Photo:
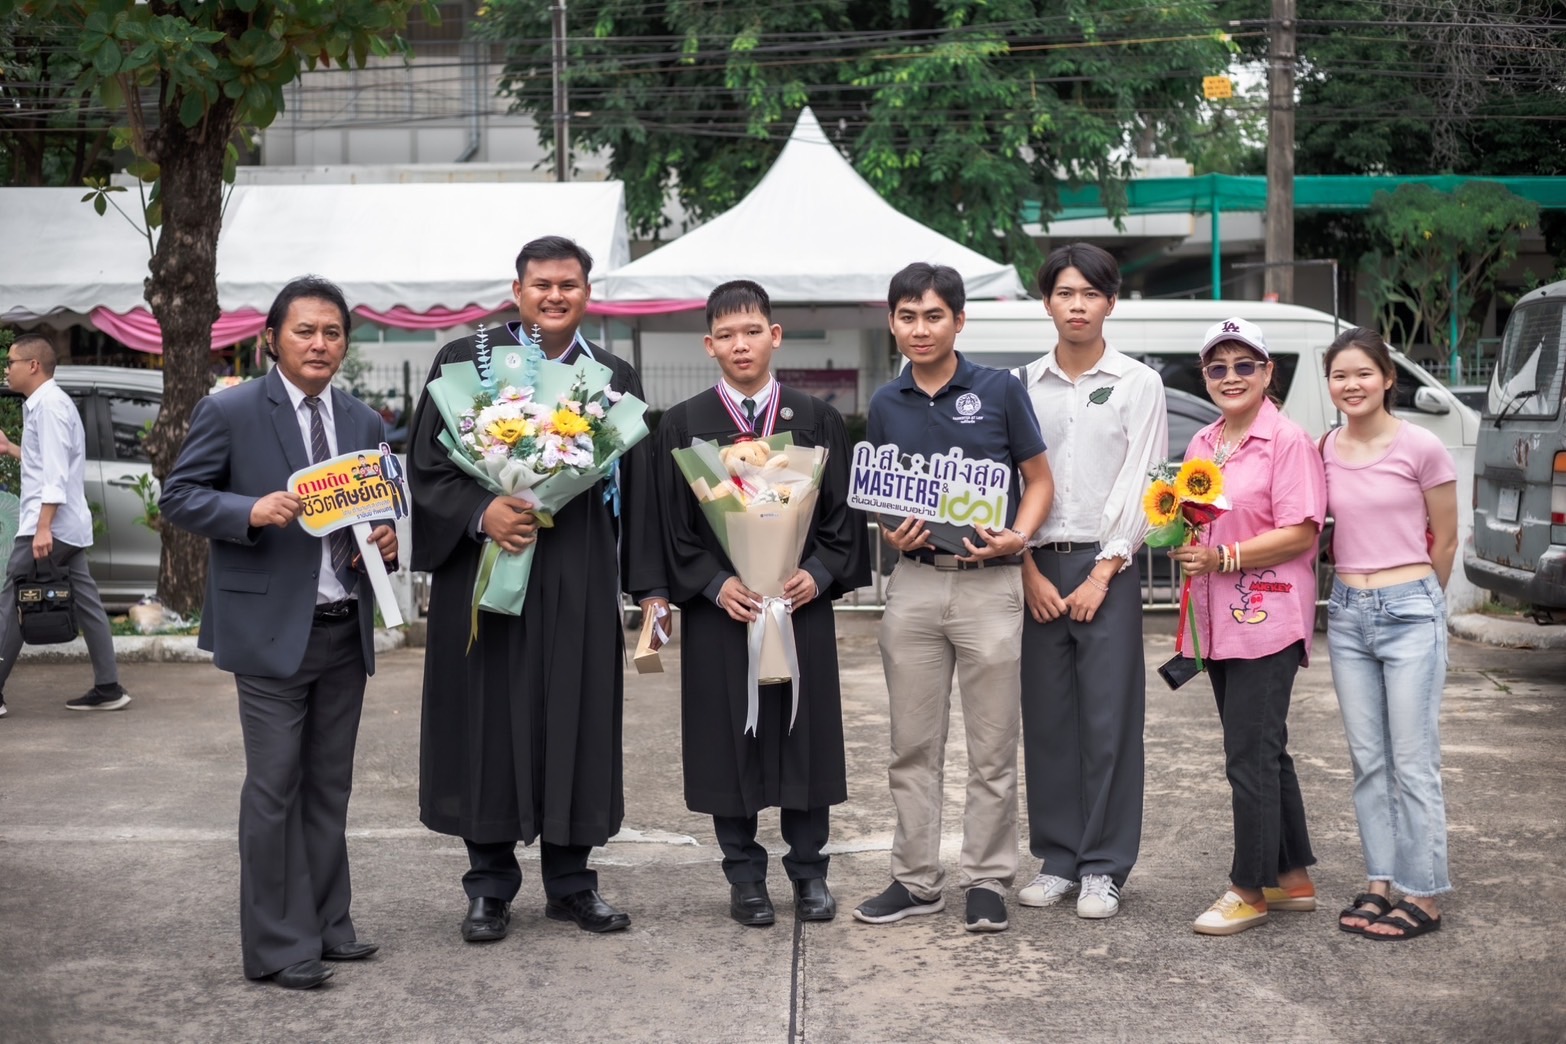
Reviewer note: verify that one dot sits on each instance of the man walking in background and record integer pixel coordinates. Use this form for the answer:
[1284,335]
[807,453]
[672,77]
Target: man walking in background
[56,523]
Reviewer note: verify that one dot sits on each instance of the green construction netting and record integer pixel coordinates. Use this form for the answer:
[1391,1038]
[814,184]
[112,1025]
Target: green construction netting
[1227,192]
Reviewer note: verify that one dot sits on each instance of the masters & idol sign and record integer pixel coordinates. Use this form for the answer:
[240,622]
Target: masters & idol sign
[945,488]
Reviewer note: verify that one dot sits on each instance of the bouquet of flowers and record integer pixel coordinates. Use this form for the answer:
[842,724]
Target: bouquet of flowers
[540,433]
[1179,501]
[759,497]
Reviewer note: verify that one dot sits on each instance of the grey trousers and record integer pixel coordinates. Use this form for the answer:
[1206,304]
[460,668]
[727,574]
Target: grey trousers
[90,617]
[1084,700]
[299,735]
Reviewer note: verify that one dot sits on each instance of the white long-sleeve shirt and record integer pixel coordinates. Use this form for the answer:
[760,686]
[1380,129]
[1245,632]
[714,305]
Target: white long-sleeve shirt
[54,466]
[1104,431]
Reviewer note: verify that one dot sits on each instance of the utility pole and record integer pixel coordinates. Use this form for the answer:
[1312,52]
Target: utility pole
[562,111]
[1279,275]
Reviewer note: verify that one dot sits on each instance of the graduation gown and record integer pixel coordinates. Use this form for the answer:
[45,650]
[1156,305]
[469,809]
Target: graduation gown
[728,773]
[520,736]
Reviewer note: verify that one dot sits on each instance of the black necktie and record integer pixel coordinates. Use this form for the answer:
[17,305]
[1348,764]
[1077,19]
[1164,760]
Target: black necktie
[339,540]
[750,412]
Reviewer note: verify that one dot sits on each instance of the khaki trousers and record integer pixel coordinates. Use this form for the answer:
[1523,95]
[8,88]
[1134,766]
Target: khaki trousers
[936,620]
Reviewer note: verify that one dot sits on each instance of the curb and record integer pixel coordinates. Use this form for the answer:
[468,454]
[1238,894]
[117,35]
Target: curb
[1507,633]
[180,648]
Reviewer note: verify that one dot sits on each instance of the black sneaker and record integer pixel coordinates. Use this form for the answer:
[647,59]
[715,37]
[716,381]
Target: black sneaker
[896,903]
[986,911]
[92,699]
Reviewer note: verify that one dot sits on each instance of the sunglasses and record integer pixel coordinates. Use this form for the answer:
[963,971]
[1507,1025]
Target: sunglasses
[1243,368]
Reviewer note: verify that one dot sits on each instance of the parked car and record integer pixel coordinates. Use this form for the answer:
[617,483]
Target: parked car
[116,406]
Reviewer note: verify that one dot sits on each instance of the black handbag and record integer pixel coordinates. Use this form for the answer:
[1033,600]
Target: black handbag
[45,607]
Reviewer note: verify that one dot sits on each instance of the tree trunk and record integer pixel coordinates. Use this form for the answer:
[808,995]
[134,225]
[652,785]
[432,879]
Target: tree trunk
[182,292]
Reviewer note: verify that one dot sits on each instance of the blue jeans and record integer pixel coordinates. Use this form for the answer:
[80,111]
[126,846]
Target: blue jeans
[1389,665]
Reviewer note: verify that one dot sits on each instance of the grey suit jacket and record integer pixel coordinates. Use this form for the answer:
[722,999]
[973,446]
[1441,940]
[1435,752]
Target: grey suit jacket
[243,443]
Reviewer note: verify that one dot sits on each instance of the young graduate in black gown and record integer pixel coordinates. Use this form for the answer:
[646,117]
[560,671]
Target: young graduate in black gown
[728,774]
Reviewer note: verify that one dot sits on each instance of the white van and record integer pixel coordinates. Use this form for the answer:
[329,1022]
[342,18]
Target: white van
[1167,334]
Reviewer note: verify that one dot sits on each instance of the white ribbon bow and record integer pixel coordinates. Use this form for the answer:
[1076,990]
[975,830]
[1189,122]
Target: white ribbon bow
[777,610]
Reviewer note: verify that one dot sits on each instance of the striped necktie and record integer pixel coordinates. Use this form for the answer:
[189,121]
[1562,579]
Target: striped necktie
[339,540]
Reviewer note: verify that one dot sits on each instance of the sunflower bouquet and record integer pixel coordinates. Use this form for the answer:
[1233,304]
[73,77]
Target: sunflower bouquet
[1179,501]
[540,433]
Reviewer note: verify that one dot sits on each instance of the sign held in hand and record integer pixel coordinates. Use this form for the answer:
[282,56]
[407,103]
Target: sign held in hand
[353,490]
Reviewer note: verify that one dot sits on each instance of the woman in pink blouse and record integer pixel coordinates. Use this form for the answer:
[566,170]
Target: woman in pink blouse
[1254,590]
[1392,491]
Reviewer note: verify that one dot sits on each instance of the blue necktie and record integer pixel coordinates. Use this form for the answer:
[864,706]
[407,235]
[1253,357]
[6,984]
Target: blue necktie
[339,540]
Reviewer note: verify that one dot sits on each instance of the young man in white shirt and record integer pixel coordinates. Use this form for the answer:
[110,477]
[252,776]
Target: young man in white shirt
[55,522]
[1083,678]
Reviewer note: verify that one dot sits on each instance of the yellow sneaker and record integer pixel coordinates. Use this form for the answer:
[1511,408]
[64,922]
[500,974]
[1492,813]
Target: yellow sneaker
[1230,914]
[1301,898]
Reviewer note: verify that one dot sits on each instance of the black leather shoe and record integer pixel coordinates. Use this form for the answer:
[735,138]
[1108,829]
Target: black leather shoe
[488,920]
[588,909]
[349,951]
[813,900]
[306,975]
[750,905]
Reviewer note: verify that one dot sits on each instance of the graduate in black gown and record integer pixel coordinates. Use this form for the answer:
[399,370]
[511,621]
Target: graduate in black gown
[728,774]
[520,737]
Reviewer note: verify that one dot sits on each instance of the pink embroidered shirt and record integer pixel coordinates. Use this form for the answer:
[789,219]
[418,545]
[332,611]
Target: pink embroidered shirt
[1273,479]
[1378,508]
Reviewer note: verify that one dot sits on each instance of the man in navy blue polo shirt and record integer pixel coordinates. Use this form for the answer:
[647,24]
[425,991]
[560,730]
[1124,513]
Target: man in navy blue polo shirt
[944,610]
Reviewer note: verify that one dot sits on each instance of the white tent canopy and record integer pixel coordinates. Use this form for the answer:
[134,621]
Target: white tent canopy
[812,231]
[418,246]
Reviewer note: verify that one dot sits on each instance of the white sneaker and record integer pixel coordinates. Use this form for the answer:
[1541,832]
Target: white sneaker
[1099,899]
[1046,890]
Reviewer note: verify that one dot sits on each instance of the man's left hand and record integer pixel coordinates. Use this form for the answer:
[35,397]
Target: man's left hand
[800,589]
[43,542]
[385,538]
[994,543]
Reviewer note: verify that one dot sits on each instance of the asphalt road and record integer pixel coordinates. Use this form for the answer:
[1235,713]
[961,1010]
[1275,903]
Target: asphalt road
[118,891]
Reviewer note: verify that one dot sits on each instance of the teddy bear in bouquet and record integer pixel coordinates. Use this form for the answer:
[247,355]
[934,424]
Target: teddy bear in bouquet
[756,474]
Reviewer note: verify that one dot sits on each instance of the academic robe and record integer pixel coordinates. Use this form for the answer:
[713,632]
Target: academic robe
[520,735]
[728,773]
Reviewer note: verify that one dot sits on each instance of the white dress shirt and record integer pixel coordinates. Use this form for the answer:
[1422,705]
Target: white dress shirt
[54,466]
[1099,452]
[761,398]
[329,588]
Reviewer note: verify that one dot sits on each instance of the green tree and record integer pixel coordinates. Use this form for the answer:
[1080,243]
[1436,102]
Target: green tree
[956,111]
[51,133]
[185,76]
[1420,236]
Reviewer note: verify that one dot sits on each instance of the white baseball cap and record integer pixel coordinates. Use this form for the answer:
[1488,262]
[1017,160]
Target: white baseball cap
[1242,330]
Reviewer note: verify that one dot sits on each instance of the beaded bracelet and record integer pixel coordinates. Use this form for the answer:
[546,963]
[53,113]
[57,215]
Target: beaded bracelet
[1096,582]
[1223,558]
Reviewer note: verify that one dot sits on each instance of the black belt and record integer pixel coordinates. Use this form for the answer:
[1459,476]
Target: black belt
[952,562]
[336,612]
[1067,547]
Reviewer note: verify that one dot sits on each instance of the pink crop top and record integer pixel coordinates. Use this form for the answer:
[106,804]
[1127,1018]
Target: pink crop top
[1378,508]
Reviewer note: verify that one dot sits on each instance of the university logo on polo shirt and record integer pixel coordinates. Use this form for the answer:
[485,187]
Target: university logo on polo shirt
[968,407]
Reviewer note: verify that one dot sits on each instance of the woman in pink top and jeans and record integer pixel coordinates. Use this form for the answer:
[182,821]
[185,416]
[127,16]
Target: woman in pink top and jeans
[1392,491]
[1254,589]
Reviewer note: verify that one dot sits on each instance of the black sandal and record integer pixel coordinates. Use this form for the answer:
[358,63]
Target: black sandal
[1420,923]
[1380,903]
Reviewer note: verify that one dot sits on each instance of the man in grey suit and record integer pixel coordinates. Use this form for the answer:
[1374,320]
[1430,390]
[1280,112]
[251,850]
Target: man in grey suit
[290,615]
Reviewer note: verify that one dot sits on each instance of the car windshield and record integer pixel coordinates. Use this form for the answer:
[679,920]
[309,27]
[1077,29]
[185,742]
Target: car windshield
[1529,370]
